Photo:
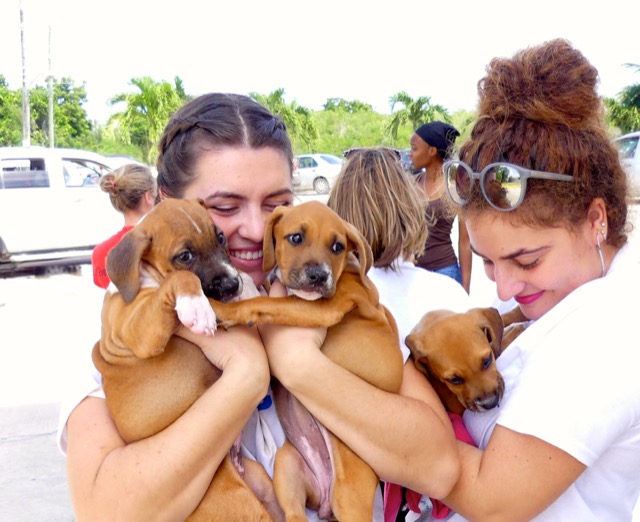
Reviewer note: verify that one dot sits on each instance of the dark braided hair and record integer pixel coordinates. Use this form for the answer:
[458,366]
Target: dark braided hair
[212,121]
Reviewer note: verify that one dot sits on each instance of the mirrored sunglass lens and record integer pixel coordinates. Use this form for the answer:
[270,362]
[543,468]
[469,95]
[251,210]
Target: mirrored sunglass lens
[459,182]
[502,186]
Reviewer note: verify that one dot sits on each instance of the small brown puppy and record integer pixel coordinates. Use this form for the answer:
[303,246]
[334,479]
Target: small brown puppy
[312,249]
[457,352]
[163,272]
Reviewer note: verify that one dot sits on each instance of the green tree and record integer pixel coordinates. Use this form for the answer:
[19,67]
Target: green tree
[72,127]
[10,115]
[147,112]
[414,112]
[334,104]
[297,118]
[624,111]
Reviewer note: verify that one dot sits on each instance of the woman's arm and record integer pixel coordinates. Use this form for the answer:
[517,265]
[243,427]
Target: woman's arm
[165,476]
[406,438]
[515,478]
[464,255]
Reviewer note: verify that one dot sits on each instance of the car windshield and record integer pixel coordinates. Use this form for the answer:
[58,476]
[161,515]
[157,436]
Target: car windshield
[627,147]
[334,160]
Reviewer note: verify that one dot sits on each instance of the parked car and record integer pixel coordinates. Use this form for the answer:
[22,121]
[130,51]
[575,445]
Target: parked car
[316,172]
[630,158]
[50,204]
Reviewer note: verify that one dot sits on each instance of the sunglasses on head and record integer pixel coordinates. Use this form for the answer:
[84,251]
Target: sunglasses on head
[349,152]
[503,185]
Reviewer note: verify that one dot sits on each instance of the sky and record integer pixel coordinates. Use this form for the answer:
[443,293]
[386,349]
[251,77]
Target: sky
[348,49]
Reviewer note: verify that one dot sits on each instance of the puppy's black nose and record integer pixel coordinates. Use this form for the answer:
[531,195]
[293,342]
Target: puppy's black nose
[222,287]
[489,402]
[317,275]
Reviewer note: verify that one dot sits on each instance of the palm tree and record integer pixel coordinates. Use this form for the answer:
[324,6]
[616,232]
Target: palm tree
[297,119]
[147,112]
[415,112]
[624,112]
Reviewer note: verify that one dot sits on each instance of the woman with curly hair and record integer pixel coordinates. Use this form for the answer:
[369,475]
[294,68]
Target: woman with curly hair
[544,198]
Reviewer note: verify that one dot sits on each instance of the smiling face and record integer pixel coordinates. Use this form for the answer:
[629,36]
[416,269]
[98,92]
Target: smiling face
[537,266]
[241,186]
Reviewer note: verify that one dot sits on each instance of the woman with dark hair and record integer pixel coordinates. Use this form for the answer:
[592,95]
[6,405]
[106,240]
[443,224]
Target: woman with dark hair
[431,145]
[544,198]
[235,155]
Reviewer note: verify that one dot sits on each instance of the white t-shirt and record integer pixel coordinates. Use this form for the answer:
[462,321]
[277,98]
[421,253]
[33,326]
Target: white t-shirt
[410,292]
[571,379]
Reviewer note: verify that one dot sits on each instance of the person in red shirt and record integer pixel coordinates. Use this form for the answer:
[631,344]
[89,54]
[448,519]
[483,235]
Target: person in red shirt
[133,191]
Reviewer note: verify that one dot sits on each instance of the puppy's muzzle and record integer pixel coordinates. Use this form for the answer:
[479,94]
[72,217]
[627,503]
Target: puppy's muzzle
[489,401]
[313,278]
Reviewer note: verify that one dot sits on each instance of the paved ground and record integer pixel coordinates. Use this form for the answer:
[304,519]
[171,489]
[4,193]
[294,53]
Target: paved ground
[48,326]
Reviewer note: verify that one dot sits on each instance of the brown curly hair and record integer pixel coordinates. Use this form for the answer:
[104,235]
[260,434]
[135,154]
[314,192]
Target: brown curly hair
[540,110]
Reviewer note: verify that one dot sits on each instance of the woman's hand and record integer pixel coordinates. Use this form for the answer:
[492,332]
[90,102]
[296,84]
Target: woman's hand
[239,347]
[287,347]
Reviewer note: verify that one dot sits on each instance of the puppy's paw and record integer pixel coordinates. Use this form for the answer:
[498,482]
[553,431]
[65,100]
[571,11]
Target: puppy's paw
[195,312]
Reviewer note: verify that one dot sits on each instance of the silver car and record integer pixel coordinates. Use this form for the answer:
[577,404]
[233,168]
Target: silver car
[315,172]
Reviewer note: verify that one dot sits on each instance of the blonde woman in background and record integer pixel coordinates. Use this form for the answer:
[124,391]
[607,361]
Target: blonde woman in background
[374,194]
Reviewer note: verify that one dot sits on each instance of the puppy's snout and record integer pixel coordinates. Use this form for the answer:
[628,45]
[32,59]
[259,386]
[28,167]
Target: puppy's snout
[223,287]
[489,402]
[317,275]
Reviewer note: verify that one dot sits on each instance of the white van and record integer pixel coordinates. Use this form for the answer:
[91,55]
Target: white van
[630,159]
[51,203]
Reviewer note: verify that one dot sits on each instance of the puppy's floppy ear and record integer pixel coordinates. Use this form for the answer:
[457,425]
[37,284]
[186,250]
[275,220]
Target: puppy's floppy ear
[123,263]
[420,359]
[269,242]
[360,245]
[491,323]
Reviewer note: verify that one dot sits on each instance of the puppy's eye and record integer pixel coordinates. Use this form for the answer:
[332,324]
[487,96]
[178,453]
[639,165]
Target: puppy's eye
[295,239]
[456,381]
[184,257]
[221,239]
[486,362]
[337,248]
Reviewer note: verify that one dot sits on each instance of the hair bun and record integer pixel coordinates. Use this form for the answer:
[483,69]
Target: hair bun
[548,83]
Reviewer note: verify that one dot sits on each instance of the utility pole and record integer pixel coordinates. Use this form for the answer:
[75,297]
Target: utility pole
[26,112]
[50,85]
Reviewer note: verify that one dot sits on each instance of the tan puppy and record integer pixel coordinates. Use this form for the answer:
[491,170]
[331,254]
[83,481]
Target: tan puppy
[313,250]
[458,351]
[163,272]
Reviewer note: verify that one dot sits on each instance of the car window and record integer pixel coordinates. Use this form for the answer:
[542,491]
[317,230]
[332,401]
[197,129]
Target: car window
[334,160]
[627,147]
[23,173]
[307,163]
[83,173]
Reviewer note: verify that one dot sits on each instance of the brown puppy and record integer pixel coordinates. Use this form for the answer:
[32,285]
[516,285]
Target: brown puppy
[458,351]
[162,273]
[312,249]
